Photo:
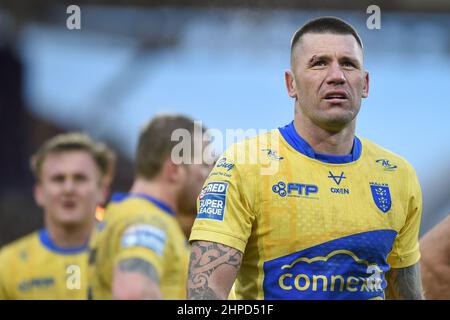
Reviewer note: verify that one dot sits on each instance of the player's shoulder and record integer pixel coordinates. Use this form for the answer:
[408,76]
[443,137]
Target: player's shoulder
[23,243]
[261,140]
[124,205]
[137,210]
[250,153]
[386,159]
[129,205]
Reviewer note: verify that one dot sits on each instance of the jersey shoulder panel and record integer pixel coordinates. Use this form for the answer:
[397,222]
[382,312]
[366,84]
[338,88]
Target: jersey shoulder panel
[24,243]
[375,151]
[252,156]
[136,210]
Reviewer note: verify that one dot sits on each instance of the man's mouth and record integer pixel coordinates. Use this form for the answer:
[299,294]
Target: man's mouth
[336,96]
[69,204]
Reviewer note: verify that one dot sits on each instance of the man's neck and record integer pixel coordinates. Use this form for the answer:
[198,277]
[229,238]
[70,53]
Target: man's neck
[323,141]
[69,236]
[155,189]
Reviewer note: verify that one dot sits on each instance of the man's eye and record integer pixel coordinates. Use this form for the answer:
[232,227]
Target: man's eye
[57,179]
[348,64]
[80,178]
[319,63]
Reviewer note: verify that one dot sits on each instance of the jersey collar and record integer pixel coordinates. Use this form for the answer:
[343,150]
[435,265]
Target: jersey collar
[47,242]
[298,143]
[121,196]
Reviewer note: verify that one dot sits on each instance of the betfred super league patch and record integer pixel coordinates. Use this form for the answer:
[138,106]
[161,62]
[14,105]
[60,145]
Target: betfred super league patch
[212,201]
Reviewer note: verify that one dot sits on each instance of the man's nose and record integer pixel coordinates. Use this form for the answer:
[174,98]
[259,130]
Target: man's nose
[68,185]
[335,74]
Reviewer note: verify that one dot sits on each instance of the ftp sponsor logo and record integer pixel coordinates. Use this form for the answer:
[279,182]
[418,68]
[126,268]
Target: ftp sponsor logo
[294,189]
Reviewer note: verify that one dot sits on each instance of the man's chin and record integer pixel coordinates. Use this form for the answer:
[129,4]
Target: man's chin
[337,119]
[69,221]
[191,212]
[186,209]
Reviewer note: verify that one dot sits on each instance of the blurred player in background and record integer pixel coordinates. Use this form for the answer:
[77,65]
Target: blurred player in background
[140,251]
[186,219]
[338,216]
[435,261]
[72,173]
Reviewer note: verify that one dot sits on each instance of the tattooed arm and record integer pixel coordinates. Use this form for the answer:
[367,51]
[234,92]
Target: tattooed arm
[404,284]
[212,270]
[135,279]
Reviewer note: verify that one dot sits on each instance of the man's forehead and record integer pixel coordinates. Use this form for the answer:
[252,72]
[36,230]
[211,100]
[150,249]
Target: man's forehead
[328,43]
[68,160]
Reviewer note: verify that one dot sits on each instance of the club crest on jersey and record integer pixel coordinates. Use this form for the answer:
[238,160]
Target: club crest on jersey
[381,196]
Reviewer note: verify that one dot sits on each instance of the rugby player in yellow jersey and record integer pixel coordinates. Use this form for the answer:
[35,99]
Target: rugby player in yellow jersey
[72,176]
[139,251]
[337,219]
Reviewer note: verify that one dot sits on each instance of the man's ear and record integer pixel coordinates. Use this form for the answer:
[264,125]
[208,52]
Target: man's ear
[290,84]
[170,171]
[365,92]
[38,194]
[104,194]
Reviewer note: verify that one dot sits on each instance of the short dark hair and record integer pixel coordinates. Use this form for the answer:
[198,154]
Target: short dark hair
[332,25]
[155,142]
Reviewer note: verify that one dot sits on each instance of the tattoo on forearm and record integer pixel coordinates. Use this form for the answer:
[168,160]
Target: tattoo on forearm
[404,283]
[139,265]
[206,258]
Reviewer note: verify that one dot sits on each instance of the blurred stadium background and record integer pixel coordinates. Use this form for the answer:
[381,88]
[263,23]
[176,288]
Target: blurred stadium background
[221,62]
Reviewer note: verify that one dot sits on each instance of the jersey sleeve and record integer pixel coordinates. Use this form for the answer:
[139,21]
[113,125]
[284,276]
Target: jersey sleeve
[144,238]
[405,251]
[3,295]
[5,265]
[225,211]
